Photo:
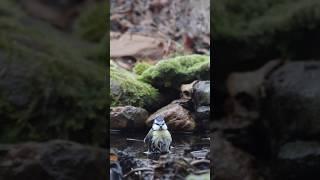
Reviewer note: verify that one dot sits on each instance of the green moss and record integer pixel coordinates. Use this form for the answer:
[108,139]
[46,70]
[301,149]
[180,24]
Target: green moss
[127,90]
[171,73]
[48,89]
[92,24]
[139,68]
[266,29]
[98,53]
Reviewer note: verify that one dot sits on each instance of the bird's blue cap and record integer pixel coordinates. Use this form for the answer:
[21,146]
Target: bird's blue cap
[159,120]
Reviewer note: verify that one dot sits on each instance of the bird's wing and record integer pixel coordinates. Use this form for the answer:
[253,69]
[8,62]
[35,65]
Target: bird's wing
[148,137]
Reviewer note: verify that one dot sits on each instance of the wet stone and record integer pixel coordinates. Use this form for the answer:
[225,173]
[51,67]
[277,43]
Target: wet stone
[201,101]
[176,117]
[124,117]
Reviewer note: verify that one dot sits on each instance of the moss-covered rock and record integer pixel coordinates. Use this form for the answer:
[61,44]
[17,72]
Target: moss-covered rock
[98,52]
[171,73]
[93,22]
[127,90]
[139,68]
[258,31]
[47,88]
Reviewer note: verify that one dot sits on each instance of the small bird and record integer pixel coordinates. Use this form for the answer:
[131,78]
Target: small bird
[159,138]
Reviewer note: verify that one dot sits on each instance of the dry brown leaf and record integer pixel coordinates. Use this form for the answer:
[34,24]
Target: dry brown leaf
[138,46]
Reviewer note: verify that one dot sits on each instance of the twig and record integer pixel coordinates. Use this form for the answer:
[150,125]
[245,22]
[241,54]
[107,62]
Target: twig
[137,140]
[201,171]
[137,169]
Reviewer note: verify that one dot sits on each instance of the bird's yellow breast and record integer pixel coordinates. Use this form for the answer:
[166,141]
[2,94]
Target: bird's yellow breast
[161,140]
[164,134]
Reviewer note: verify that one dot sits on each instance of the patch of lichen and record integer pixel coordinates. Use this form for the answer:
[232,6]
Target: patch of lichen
[127,90]
[92,24]
[48,89]
[171,73]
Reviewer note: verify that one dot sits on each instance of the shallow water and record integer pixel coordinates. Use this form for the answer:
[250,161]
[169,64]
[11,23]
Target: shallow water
[182,143]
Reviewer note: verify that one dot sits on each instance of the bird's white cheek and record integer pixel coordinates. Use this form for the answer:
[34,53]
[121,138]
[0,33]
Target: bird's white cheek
[155,127]
[165,127]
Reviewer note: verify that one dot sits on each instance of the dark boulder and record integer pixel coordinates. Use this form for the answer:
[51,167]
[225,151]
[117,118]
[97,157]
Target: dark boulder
[293,101]
[48,86]
[230,162]
[58,160]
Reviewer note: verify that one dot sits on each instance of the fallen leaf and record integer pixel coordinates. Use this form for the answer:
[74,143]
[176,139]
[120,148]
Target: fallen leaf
[137,46]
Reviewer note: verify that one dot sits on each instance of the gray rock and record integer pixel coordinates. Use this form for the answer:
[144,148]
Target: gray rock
[199,94]
[58,160]
[123,117]
[201,102]
[245,90]
[293,101]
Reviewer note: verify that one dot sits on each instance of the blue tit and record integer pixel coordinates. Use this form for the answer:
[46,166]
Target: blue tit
[159,138]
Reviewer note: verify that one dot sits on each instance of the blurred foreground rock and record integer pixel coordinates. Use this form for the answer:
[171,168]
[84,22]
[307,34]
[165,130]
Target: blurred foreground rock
[293,101]
[230,162]
[48,89]
[246,91]
[256,32]
[53,160]
[298,160]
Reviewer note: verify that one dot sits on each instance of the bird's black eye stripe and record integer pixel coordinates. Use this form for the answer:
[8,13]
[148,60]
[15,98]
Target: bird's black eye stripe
[158,124]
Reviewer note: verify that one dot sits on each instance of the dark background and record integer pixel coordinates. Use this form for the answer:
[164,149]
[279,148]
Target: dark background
[266,89]
[53,85]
